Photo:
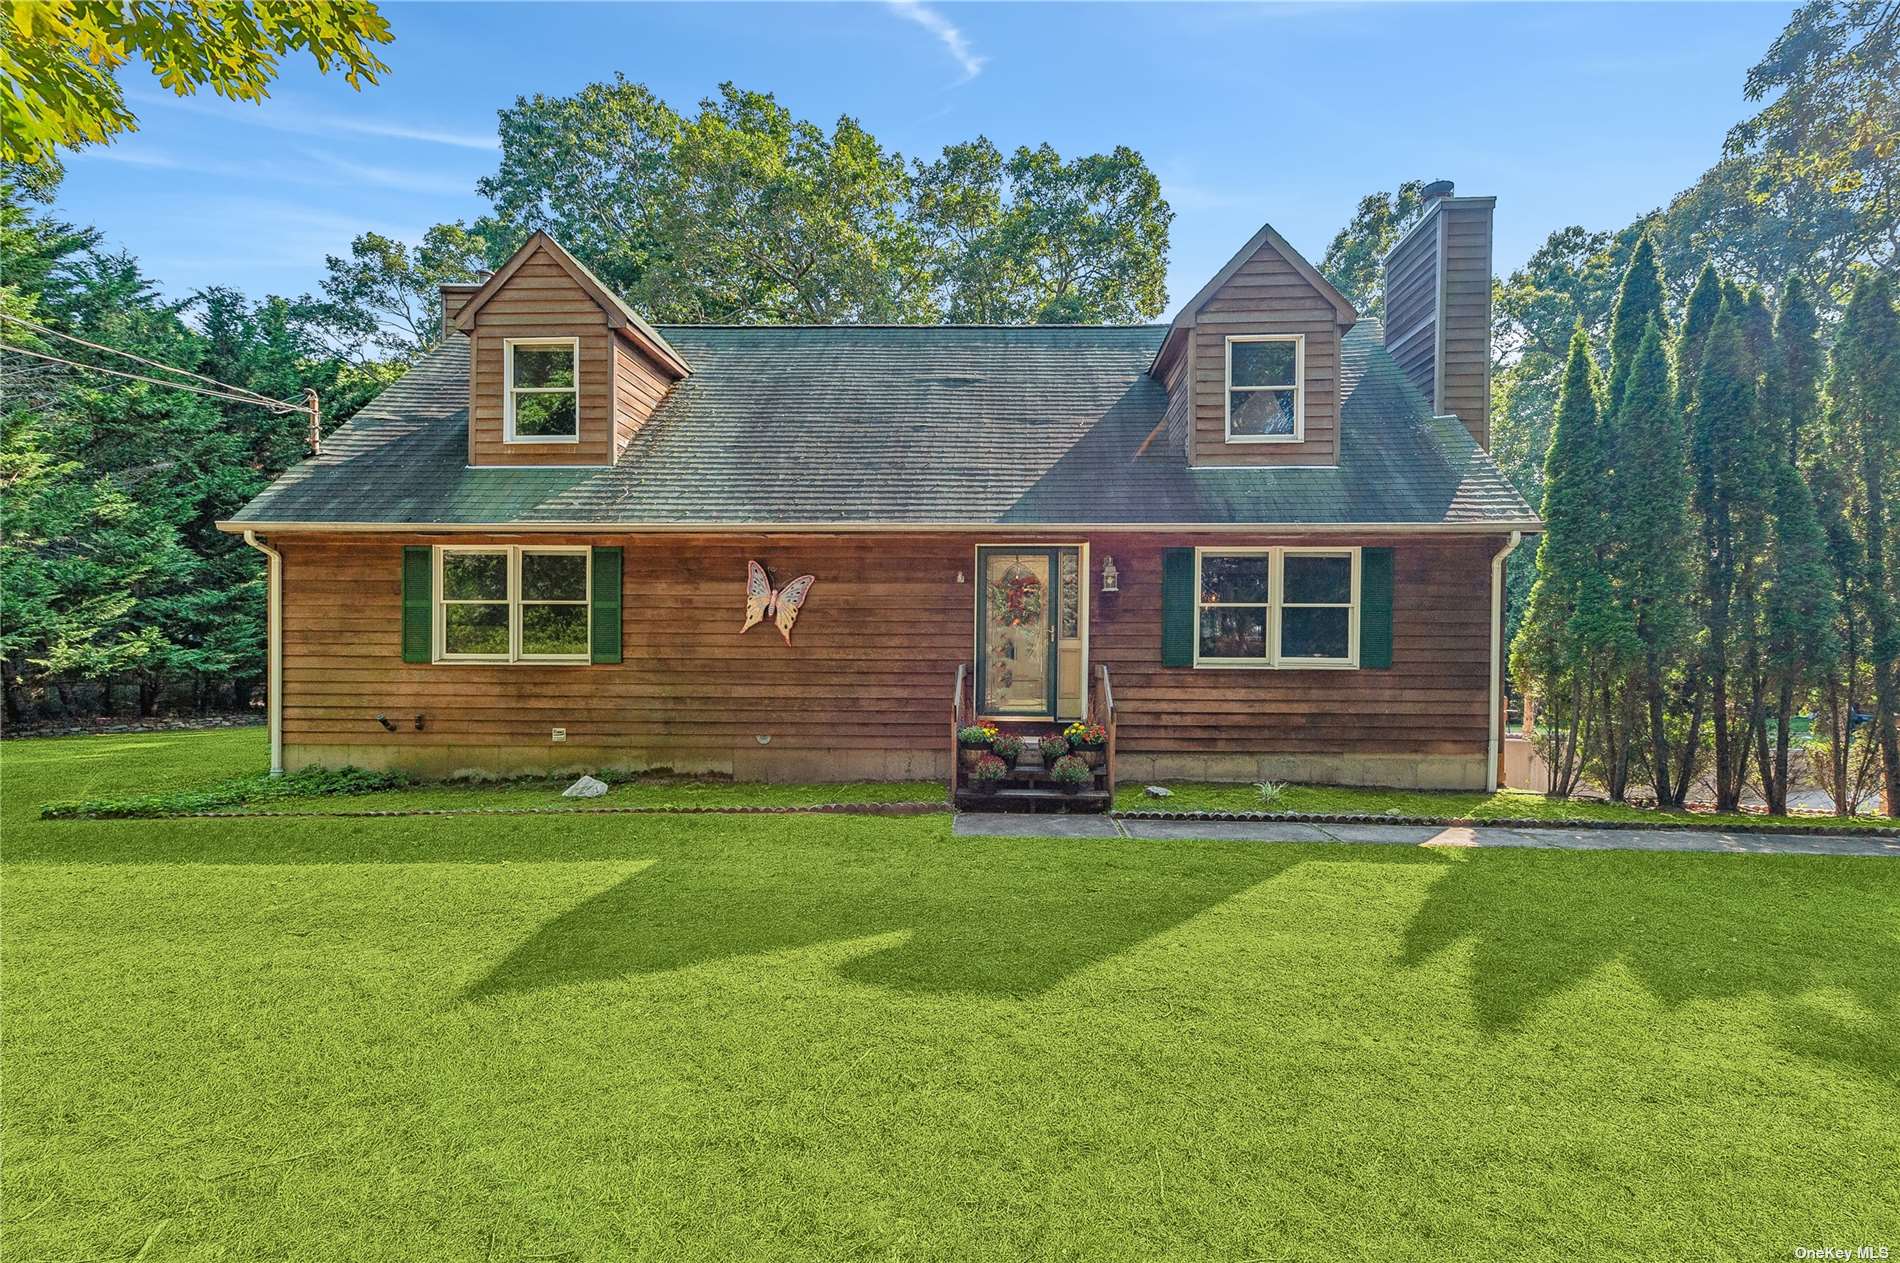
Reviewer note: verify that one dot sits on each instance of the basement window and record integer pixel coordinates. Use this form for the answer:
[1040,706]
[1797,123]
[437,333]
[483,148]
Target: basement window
[543,376]
[512,604]
[1266,376]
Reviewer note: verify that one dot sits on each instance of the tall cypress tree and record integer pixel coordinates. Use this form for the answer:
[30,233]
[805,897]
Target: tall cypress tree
[1798,366]
[1864,415]
[1730,494]
[1651,509]
[1801,643]
[1798,616]
[1638,301]
[1639,305]
[1697,319]
[1758,327]
[1551,656]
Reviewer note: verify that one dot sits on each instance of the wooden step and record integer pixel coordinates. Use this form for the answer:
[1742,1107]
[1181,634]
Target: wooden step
[1017,798]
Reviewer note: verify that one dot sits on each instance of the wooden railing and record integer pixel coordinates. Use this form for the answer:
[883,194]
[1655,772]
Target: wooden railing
[1102,711]
[956,722]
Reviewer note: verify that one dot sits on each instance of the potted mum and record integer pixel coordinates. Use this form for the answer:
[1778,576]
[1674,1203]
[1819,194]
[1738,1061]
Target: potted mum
[987,773]
[973,740]
[1090,741]
[1070,774]
[1053,747]
[1008,747]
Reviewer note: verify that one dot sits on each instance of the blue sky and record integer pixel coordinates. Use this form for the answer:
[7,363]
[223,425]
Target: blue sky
[1569,113]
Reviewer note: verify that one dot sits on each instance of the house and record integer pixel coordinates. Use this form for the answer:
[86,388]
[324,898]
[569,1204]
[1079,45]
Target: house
[1269,531]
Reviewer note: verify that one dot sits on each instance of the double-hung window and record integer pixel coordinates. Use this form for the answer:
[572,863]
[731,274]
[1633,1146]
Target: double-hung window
[512,604]
[1266,377]
[543,382]
[1277,607]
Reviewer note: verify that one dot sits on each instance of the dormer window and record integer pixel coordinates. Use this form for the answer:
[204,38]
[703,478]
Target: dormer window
[1266,376]
[543,376]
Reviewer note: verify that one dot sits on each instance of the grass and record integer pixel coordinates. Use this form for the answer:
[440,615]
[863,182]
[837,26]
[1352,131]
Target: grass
[1328,800]
[611,1037]
[102,792]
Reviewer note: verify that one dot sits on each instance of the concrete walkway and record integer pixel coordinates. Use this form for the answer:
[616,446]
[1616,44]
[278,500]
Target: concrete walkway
[1002,824]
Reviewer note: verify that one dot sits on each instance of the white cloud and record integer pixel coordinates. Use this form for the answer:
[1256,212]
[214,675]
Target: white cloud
[407,181]
[289,118]
[947,33]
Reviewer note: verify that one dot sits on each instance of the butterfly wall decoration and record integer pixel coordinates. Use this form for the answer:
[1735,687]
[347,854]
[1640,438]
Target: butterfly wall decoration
[761,599]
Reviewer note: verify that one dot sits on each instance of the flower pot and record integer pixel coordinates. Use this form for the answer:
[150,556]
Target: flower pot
[968,755]
[1094,756]
[1069,787]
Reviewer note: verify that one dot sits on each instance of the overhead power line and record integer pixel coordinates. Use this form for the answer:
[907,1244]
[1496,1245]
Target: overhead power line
[226,393]
[113,350]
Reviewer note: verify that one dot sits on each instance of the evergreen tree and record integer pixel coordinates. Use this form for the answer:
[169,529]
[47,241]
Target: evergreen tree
[1621,693]
[1730,495]
[1802,643]
[1651,508]
[1799,616]
[1798,365]
[1551,655]
[1638,302]
[1864,418]
[1758,328]
[1698,317]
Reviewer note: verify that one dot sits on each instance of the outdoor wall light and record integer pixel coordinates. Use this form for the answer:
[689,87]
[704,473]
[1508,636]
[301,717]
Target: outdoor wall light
[418,723]
[384,721]
[1111,577]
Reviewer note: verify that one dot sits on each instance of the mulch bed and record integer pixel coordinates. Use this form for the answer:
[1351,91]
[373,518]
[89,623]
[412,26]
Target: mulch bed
[105,725]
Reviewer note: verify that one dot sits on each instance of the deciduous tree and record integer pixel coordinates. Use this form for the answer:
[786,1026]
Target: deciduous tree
[60,59]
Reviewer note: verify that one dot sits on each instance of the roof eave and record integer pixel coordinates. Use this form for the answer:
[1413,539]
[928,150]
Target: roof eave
[1488,527]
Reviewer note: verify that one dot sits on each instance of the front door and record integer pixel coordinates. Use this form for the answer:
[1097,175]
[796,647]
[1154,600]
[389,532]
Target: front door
[1029,631]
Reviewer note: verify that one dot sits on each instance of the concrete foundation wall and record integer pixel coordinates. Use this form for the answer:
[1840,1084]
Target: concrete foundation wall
[1401,771]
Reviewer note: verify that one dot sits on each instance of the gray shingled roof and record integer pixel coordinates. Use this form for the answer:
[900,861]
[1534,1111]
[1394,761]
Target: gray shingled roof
[932,424]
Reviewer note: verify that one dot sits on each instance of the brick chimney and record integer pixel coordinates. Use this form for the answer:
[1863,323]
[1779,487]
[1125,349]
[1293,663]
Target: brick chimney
[1438,306]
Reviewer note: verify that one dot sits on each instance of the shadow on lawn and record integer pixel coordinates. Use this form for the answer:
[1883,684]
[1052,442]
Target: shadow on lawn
[1714,928]
[991,918]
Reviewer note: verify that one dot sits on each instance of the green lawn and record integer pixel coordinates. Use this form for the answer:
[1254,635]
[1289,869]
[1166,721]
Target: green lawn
[1329,800]
[731,1037]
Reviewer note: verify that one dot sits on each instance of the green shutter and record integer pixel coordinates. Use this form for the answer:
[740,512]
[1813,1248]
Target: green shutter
[606,611]
[1375,608]
[1177,607]
[418,603]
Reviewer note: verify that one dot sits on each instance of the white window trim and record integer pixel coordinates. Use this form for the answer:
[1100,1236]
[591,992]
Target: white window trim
[1276,604]
[1299,389]
[509,390]
[514,553]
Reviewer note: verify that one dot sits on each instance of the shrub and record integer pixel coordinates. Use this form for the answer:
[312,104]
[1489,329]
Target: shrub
[1070,772]
[313,781]
[1008,747]
[988,770]
[1270,792]
[1053,747]
[976,736]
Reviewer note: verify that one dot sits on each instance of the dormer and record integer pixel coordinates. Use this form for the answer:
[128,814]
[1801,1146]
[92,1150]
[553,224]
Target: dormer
[1252,362]
[560,370]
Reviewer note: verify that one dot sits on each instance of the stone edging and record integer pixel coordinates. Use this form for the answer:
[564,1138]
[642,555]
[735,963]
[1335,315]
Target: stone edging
[1769,824]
